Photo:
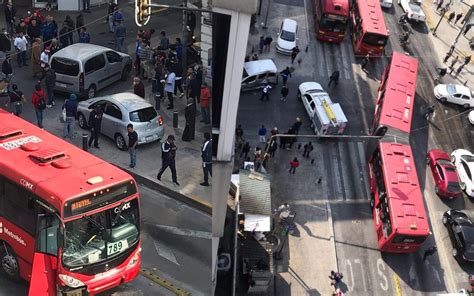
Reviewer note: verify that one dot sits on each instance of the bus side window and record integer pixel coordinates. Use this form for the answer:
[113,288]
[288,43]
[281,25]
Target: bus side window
[47,234]
[17,207]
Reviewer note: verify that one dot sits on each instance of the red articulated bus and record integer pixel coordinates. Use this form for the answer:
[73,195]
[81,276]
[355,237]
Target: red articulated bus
[330,19]
[400,219]
[395,98]
[69,221]
[369,33]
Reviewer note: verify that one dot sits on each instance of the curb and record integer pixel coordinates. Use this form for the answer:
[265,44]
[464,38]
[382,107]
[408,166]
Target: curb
[194,202]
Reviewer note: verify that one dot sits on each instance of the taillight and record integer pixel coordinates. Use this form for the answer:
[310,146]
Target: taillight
[160,120]
[81,81]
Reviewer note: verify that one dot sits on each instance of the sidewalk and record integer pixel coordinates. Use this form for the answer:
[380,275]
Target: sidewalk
[446,34]
[188,160]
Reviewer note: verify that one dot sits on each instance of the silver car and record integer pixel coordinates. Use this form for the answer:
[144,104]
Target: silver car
[85,68]
[120,110]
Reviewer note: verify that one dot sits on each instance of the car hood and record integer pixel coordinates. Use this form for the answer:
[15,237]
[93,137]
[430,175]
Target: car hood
[459,152]
[307,86]
[287,45]
[441,90]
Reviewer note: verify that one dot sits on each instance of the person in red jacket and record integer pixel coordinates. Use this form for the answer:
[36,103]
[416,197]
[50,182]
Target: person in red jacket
[39,103]
[205,103]
[293,165]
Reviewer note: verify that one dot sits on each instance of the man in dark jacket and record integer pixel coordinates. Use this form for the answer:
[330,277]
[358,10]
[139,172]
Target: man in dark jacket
[190,115]
[95,123]
[168,154]
[71,115]
[50,81]
[10,13]
[5,43]
[206,155]
[50,31]
[7,67]
[34,30]
[138,87]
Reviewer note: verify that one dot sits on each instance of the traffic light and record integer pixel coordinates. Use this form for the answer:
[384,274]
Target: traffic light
[142,12]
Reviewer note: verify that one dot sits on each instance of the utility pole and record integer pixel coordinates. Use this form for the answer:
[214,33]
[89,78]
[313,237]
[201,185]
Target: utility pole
[185,39]
[266,14]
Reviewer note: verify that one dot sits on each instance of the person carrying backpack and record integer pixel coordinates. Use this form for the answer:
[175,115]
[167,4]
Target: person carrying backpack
[16,99]
[39,103]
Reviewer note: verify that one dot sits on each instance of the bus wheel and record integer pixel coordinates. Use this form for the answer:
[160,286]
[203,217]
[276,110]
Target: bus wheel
[9,262]
[120,142]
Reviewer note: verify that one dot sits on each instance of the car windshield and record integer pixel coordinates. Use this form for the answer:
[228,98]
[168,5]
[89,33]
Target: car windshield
[454,187]
[451,88]
[333,23]
[468,158]
[375,39]
[143,115]
[287,36]
[93,238]
[65,66]
[444,161]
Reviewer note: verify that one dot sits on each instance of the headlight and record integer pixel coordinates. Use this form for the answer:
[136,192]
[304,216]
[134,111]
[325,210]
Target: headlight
[70,281]
[135,259]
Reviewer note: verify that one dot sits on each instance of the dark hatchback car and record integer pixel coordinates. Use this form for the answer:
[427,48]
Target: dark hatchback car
[461,233]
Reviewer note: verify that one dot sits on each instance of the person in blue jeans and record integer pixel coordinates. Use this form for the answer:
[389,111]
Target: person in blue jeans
[132,145]
[119,36]
[71,115]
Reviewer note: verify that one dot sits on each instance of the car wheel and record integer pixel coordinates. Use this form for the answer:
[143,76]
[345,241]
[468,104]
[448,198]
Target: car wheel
[427,160]
[445,220]
[120,142]
[455,252]
[91,92]
[82,121]
[463,186]
[443,100]
[299,95]
[9,263]
[466,106]
[437,189]
[372,204]
[125,72]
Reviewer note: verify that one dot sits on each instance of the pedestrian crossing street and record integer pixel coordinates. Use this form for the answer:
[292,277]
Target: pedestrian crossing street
[341,166]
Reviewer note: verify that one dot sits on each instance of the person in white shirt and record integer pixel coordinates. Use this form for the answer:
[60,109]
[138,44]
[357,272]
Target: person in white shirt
[20,46]
[169,86]
[44,58]
[266,92]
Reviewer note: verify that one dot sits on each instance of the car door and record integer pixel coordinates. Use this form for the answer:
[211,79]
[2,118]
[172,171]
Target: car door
[467,100]
[456,233]
[100,70]
[464,173]
[112,121]
[309,105]
[114,66]
[456,98]
[249,82]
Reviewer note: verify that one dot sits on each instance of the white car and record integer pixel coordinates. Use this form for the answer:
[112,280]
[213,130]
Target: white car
[287,36]
[413,9]
[471,117]
[454,93]
[386,3]
[464,162]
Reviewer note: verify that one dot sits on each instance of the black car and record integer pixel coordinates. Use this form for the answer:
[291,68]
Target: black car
[461,232]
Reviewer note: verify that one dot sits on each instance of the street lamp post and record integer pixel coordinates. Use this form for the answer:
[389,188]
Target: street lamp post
[441,18]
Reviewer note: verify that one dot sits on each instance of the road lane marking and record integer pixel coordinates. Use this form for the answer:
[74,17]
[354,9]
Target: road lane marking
[165,252]
[164,283]
[185,232]
[398,286]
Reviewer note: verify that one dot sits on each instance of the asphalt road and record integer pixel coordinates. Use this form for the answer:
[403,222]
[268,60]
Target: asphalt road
[176,240]
[344,186]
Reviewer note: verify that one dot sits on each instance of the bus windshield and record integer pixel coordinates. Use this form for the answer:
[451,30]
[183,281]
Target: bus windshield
[333,23]
[374,39]
[93,238]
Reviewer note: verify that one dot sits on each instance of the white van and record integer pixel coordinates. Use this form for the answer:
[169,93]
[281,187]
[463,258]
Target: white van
[257,73]
[84,68]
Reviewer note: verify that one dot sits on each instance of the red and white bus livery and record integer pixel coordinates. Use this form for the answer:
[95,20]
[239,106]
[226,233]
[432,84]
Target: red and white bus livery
[399,214]
[395,98]
[369,33]
[69,221]
[330,19]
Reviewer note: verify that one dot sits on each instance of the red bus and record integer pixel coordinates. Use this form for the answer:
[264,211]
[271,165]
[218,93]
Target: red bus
[330,19]
[395,98]
[69,221]
[369,33]
[400,219]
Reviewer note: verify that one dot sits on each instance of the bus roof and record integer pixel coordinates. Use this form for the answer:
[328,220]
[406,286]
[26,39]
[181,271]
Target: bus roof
[337,7]
[50,167]
[407,210]
[372,16]
[399,96]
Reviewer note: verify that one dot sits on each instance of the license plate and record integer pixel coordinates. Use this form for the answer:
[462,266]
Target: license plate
[116,247]
[61,85]
[77,292]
